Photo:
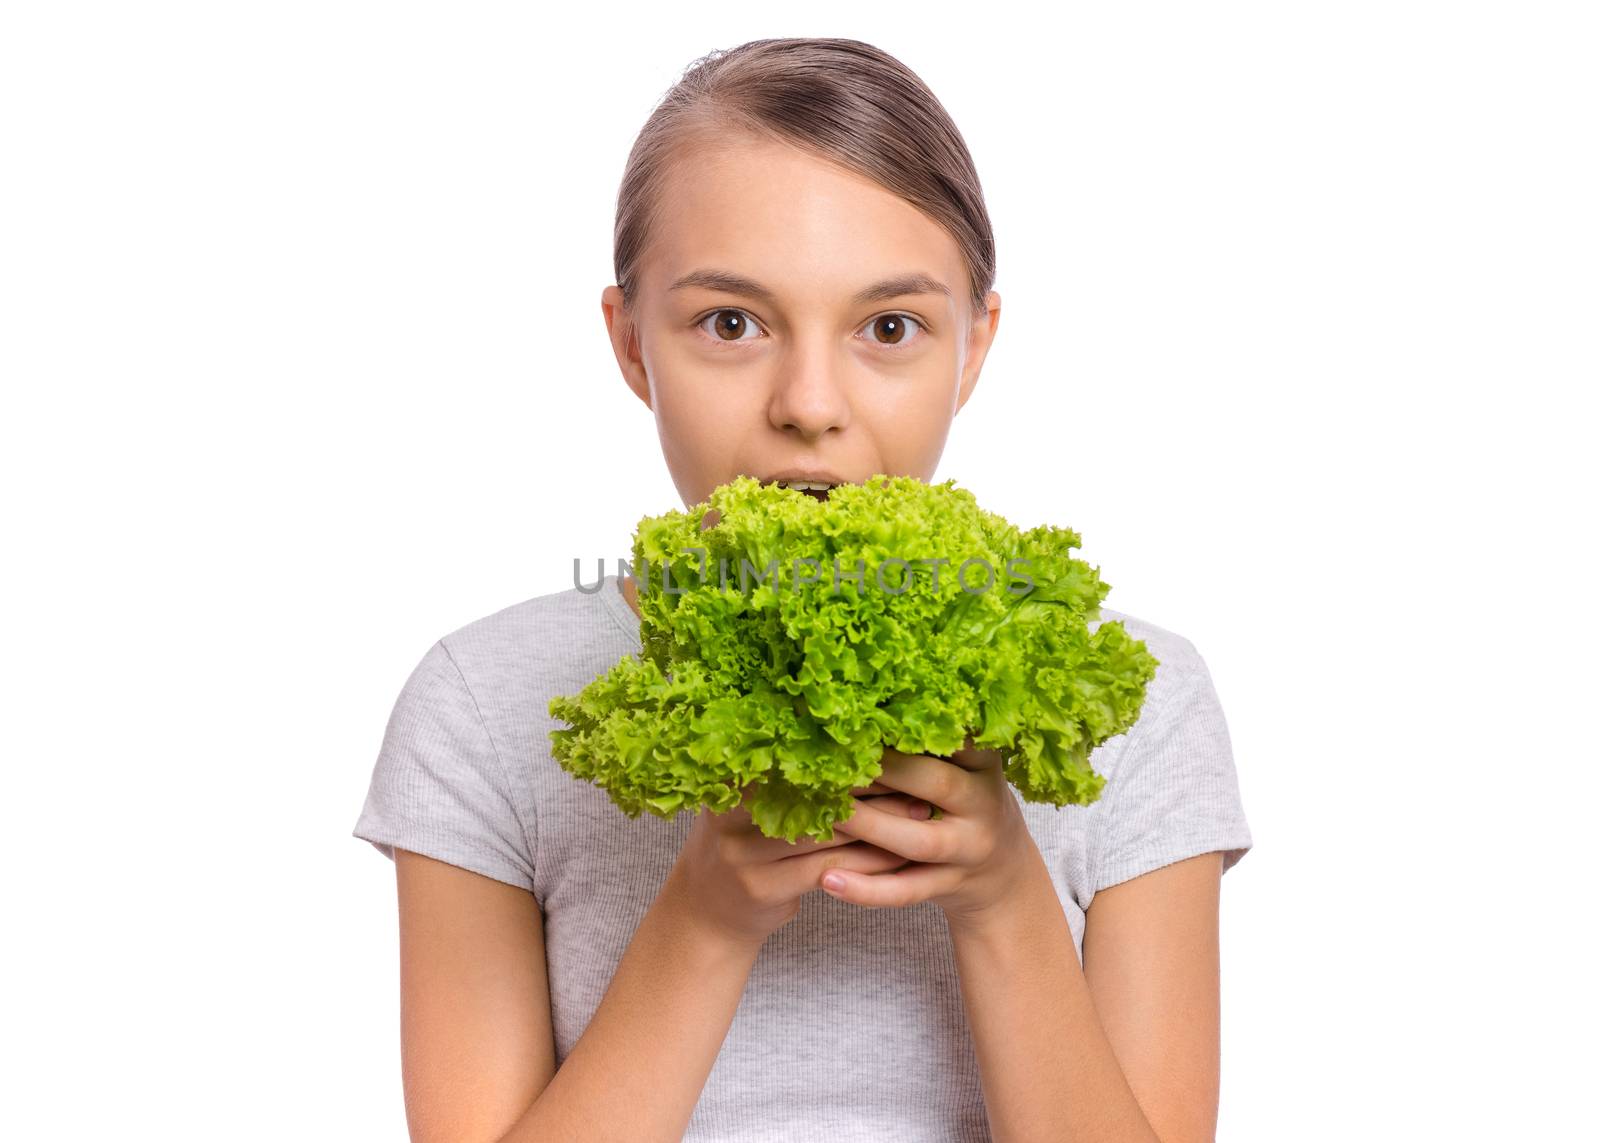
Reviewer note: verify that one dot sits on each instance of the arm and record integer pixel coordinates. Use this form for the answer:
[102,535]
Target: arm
[477,1044]
[1124,1048]
[475,1041]
[637,1071]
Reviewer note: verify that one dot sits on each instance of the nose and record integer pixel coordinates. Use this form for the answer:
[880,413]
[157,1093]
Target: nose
[809,395]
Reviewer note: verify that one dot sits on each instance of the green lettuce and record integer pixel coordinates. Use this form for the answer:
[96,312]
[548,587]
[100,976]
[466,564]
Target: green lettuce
[782,644]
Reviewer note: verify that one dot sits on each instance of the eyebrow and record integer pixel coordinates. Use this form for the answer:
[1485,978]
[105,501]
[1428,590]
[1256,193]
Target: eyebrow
[896,287]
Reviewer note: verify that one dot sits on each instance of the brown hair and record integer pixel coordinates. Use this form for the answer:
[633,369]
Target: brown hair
[842,100]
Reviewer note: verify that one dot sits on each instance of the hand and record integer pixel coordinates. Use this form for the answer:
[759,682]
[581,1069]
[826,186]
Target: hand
[966,861]
[745,885]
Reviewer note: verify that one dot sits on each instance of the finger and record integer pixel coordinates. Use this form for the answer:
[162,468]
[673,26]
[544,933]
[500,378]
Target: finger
[909,886]
[759,847]
[969,757]
[904,805]
[935,780]
[917,840]
[875,788]
[858,857]
[802,874]
[901,805]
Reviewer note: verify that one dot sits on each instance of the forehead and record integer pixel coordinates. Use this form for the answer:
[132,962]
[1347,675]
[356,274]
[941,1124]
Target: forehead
[805,226]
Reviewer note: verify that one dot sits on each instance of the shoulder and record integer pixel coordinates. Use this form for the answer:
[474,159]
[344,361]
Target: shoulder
[1172,789]
[1177,656]
[547,614]
[1180,703]
[539,643]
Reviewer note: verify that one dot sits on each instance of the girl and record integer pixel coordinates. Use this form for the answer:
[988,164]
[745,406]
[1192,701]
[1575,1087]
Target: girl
[803,267]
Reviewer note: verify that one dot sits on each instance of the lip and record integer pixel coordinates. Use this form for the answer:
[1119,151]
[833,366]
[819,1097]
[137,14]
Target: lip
[815,475]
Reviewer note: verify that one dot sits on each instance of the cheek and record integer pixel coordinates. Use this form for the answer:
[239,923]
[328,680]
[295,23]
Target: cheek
[687,395]
[701,421]
[909,423]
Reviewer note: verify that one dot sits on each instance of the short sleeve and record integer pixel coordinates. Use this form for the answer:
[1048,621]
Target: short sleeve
[439,787]
[1174,792]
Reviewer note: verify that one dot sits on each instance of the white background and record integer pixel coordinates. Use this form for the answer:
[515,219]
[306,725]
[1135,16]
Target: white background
[304,367]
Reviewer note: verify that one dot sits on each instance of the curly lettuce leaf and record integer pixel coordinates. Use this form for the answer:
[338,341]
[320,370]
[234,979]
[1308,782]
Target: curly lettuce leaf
[786,647]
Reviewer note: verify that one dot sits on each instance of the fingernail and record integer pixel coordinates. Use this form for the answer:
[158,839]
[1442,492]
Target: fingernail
[833,881]
[922,811]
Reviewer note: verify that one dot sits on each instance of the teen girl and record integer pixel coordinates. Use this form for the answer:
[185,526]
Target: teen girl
[803,268]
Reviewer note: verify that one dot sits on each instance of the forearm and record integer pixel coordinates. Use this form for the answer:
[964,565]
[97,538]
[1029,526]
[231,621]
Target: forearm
[639,1068]
[1047,1069]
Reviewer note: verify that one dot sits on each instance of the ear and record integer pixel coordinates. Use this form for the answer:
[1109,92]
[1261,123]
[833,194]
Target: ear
[625,342]
[979,338]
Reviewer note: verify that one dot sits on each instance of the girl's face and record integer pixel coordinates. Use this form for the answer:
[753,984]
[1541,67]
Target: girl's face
[794,318]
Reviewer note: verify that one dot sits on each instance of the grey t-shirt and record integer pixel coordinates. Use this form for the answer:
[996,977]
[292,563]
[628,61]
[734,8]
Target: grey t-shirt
[465,775]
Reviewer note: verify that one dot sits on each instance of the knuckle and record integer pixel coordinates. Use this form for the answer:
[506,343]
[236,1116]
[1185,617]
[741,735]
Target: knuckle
[843,857]
[862,858]
[943,784]
[748,883]
[897,804]
[936,849]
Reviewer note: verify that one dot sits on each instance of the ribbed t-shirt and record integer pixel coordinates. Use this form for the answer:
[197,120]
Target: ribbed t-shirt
[465,775]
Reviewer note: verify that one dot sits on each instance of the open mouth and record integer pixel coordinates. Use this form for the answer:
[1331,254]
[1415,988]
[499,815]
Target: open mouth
[817,487]
[812,488]
[816,483]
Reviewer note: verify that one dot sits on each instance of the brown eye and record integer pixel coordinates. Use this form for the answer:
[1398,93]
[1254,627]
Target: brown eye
[890,329]
[729,325]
